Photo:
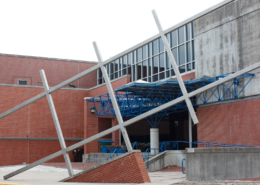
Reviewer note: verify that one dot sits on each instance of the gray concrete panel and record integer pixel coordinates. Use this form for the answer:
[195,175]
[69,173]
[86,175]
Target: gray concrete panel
[223,163]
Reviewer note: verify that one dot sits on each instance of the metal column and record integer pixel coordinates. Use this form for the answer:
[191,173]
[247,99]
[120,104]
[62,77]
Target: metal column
[56,123]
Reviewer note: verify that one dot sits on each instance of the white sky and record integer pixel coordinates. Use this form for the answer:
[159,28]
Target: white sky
[66,29]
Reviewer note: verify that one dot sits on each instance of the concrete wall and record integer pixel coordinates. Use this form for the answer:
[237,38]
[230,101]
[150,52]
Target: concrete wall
[228,40]
[223,163]
[165,159]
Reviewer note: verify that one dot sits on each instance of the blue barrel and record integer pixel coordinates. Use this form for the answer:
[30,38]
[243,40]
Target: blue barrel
[105,149]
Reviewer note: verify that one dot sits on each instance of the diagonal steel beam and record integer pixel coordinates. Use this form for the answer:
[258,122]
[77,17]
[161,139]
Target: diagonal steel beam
[135,119]
[176,69]
[56,123]
[113,99]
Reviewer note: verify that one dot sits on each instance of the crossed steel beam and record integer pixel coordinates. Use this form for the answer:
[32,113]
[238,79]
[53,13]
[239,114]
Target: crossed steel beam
[186,97]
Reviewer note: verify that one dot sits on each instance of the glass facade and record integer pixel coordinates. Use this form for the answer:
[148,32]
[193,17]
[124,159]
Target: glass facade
[151,62]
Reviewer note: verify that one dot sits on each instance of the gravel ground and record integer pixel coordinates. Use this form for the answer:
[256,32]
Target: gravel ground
[40,168]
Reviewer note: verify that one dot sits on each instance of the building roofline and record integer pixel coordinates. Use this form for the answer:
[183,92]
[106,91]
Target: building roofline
[46,58]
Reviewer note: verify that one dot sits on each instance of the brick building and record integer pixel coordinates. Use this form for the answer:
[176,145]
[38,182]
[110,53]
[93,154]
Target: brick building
[223,39]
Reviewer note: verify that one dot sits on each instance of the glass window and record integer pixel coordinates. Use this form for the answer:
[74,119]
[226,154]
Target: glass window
[145,50]
[107,66]
[125,61]
[162,64]
[168,36]
[188,52]
[174,52]
[149,79]
[133,75]
[168,65]
[189,67]
[112,76]
[174,38]
[188,31]
[182,69]
[192,30]
[193,65]
[134,57]
[120,64]
[129,59]
[167,74]
[161,45]
[139,70]
[181,32]
[116,74]
[193,53]
[99,73]
[150,49]
[155,47]
[139,54]
[150,67]
[124,72]
[161,75]
[145,63]
[155,78]
[116,65]
[172,72]
[155,64]
[100,81]
[182,54]
[112,67]
[129,70]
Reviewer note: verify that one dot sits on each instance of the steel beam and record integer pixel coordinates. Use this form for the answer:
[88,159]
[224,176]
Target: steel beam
[113,99]
[56,123]
[135,119]
[176,69]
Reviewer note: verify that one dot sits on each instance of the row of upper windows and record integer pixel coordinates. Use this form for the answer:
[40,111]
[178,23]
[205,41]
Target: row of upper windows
[151,60]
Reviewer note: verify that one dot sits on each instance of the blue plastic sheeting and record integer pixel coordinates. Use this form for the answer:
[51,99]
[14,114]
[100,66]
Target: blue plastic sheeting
[136,98]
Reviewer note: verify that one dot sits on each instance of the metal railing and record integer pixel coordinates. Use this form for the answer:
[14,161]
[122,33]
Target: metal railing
[135,145]
[182,167]
[111,156]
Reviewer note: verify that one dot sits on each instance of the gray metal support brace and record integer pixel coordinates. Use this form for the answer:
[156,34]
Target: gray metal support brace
[113,99]
[56,123]
[176,69]
[190,132]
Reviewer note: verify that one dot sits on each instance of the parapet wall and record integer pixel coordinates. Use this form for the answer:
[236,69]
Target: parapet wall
[222,163]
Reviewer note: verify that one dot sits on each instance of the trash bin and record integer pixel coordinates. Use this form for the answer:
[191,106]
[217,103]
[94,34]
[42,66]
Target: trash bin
[103,144]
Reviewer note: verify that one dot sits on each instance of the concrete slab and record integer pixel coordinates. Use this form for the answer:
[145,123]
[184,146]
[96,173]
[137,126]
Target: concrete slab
[52,178]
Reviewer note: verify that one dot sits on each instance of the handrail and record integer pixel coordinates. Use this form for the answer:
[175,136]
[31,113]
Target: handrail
[147,157]
[111,156]
[182,166]
[135,145]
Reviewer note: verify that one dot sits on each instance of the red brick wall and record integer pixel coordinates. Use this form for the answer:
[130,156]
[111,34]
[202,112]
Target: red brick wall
[15,152]
[104,124]
[35,121]
[128,169]
[90,129]
[231,123]
[115,135]
[14,68]
[188,76]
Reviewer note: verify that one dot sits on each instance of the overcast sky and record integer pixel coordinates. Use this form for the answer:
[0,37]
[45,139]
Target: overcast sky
[66,29]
